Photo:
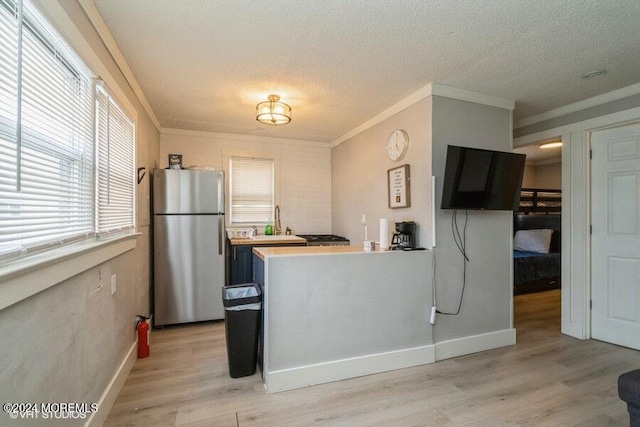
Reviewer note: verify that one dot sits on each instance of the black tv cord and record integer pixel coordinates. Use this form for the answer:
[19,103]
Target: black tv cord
[461,243]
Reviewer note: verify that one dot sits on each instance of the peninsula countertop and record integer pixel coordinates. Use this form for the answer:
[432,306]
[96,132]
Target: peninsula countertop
[268,252]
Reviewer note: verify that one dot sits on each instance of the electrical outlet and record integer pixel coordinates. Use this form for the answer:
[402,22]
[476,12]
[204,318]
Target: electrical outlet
[113,283]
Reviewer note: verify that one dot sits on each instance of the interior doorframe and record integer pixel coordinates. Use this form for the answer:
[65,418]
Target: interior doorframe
[576,213]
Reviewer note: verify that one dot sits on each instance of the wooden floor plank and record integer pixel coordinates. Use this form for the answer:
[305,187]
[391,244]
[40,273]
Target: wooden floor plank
[546,379]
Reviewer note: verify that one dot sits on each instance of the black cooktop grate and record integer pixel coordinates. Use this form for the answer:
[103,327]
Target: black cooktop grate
[323,238]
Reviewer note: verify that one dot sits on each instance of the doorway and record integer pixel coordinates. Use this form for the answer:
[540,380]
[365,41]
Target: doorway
[537,295]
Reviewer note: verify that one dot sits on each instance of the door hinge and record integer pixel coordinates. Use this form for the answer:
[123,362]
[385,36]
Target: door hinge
[591,154]
[590,304]
[591,229]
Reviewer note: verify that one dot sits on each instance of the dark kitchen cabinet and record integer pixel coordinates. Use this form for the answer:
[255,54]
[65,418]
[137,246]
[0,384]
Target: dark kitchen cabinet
[240,264]
[240,261]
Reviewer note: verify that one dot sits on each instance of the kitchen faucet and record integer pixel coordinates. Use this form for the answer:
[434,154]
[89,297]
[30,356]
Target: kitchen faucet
[278,229]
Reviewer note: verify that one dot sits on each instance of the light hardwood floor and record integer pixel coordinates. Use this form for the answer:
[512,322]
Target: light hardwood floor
[546,379]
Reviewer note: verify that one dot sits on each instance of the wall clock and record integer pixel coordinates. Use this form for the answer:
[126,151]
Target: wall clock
[397,144]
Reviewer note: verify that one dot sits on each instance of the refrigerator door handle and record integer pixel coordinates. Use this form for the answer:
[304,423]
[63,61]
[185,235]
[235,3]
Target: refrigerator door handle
[220,239]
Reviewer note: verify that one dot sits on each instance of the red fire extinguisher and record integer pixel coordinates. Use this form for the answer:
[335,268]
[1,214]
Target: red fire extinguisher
[143,336]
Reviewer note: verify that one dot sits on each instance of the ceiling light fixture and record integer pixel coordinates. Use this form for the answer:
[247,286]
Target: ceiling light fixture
[552,144]
[273,112]
[593,74]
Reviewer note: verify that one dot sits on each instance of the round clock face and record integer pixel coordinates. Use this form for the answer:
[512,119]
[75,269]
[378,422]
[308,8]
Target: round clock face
[397,144]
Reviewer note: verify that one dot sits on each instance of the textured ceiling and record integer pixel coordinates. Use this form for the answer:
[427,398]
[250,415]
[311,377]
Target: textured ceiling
[205,64]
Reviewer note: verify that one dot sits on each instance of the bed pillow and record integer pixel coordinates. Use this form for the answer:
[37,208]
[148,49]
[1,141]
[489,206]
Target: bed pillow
[533,240]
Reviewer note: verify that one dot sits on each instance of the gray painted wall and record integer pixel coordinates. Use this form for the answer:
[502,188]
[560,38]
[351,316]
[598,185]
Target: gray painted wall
[65,343]
[359,186]
[487,300]
[351,305]
[359,177]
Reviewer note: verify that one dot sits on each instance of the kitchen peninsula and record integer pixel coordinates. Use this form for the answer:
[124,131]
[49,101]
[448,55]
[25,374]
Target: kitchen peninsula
[239,262]
[337,312]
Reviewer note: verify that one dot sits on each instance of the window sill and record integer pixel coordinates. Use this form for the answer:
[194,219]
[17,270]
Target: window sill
[26,277]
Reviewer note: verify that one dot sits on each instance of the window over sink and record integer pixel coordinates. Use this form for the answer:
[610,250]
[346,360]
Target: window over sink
[251,190]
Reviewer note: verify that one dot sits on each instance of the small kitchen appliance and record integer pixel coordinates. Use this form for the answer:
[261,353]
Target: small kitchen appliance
[405,236]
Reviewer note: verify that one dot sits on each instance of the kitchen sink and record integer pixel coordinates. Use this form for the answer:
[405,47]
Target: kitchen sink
[272,237]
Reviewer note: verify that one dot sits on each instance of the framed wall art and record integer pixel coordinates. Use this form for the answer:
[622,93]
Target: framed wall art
[398,182]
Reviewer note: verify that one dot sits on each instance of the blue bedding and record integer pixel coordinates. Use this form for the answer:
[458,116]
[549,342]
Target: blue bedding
[525,254]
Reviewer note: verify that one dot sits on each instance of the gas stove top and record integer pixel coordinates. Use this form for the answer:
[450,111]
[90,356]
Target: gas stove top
[324,240]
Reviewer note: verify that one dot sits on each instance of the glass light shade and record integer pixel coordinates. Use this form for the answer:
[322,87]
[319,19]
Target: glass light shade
[273,112]
[551,144]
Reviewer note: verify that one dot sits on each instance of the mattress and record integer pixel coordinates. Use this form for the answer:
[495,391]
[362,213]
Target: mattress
[533,266]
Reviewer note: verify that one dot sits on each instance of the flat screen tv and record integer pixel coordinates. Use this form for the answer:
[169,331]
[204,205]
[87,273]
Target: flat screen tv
[482,179]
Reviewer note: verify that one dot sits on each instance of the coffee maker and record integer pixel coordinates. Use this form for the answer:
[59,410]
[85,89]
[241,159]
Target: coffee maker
[405,236]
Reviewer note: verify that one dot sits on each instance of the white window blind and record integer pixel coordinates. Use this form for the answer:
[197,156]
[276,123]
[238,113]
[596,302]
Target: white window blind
[46,134]
[252,187]
[115,165]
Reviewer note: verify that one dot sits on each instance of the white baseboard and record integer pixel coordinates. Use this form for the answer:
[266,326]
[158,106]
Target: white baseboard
[474,344]
[289,379]
[110,394]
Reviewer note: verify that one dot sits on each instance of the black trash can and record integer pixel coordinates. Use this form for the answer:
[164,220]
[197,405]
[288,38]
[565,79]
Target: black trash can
[242,314]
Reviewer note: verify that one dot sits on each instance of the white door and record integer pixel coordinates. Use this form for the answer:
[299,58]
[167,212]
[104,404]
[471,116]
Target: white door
[615,244]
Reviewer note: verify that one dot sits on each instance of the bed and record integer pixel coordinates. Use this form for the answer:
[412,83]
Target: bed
[534,271]
[540,201]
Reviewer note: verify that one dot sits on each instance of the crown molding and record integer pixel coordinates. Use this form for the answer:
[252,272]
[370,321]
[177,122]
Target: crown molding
[430,89]
[240,137]
[580,105]
[438,89]
[93,14]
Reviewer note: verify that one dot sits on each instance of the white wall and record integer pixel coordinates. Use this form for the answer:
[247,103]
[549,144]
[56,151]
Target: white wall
[359,173]
[529,178]
[303,170]
[66,343]
[547,175]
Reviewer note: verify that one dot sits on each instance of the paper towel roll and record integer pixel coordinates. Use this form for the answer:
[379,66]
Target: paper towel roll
[384,234]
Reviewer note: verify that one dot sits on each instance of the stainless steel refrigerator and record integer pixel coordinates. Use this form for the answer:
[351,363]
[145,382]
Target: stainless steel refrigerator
[188,245]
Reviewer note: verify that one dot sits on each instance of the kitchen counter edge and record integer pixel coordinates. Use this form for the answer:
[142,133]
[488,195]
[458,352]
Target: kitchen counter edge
[282,251]
[274,241]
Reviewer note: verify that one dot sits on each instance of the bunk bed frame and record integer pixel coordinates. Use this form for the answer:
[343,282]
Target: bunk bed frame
[540,201]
